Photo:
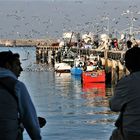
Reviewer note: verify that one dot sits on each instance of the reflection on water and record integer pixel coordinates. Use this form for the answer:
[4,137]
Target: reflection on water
[73,111]
[93,90]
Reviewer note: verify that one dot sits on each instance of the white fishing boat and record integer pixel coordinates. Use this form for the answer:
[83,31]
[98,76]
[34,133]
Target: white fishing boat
[62,67]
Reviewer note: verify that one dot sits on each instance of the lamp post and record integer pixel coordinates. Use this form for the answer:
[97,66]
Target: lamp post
[108,24]
[131,22]
[131,25]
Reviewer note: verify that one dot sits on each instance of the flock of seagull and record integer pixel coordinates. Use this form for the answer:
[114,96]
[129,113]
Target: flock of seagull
[27,20]
[23,22]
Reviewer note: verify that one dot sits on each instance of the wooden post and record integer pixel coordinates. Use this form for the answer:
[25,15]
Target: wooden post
[115,72]
[37,55]
[106,57]
[107,67]
[46,55]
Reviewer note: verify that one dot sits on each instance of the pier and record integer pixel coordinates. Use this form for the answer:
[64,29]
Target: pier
[112,60]
[47,53]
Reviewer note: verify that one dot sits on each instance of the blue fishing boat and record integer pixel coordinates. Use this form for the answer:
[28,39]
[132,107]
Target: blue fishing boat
[76,70]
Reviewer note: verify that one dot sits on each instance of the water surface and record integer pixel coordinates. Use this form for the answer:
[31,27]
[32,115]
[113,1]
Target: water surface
[72,111]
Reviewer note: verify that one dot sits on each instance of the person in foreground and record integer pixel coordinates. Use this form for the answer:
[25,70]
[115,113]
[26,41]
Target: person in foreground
[16,106]
[127,96]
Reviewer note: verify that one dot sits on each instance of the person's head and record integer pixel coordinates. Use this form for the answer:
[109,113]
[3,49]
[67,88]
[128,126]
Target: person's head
[129,44]
[11,61]
[132,59]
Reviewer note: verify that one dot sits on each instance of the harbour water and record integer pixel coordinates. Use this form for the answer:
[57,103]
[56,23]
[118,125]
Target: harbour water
[72,111]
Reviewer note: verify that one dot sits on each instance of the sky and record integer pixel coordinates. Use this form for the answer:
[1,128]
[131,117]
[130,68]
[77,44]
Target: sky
[69,0]
[38,19]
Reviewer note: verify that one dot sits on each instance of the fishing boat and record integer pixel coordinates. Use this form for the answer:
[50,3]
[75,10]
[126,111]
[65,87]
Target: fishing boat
[62,68]
[76,70]
[67,59]
[93,76]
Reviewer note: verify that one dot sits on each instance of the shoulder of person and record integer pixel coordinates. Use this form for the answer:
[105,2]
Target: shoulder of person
[124,79]
[20,84]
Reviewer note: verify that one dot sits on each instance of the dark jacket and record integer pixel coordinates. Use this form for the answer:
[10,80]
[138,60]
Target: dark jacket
[127,92]
[26,107]
[8,110]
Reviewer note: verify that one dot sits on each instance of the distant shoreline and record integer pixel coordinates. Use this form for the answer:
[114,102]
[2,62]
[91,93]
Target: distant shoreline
[26,42]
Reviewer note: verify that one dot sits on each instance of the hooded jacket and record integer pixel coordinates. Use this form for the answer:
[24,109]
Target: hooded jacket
[127,92]
[24,107]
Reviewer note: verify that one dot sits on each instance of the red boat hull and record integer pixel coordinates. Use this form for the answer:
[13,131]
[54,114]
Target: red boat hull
[93,77]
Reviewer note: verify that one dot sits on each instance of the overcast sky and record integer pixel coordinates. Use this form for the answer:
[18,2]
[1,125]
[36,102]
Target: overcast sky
[69,0]
[30,19]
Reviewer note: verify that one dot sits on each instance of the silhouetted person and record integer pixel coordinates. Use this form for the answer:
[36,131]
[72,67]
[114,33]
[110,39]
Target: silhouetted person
[16,107]
[126,98]
[129,44]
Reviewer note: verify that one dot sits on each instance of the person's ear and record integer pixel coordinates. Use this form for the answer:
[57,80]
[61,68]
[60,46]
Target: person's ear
[7,66]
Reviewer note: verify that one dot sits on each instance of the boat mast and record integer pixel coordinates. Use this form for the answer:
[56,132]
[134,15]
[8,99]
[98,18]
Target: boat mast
[131,24]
